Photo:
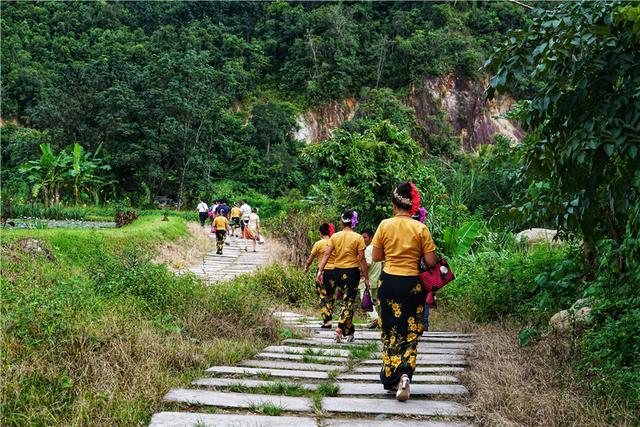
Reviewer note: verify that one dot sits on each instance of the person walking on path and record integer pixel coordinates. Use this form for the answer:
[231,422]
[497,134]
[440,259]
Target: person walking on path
[401,242]
[252,229]
[327,287]
[245,211]
[235,219]
[203,212]
[221,225]
[348,248]
[375,268]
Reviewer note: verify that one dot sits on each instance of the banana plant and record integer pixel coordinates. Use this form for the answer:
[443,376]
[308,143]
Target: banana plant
[83,172]
[47,173]
[458,241]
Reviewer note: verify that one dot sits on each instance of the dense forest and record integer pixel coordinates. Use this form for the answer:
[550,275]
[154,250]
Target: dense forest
[181,96]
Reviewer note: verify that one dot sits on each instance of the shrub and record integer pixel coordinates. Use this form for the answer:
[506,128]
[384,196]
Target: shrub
[281,284]
[528,286]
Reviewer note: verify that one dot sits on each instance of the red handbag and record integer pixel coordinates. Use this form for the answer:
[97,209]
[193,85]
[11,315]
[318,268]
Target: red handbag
[435,278]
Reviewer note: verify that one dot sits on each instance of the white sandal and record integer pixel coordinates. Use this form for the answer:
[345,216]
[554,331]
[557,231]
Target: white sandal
[403,392]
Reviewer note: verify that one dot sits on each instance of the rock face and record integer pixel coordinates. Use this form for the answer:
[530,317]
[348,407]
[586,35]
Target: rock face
[318,125]
[461,99]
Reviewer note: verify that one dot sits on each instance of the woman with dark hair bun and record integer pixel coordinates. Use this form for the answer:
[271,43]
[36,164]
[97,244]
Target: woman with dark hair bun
[401,242]
[326,287]
[347,247]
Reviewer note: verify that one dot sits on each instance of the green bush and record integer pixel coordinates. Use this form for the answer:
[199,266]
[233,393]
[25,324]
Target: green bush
[529,286]
[611,349]
[281,285]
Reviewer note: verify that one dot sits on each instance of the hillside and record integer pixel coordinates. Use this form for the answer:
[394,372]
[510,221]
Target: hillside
[182,95]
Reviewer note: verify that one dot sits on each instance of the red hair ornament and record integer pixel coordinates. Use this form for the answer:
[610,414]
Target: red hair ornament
[415,199]
[332,229]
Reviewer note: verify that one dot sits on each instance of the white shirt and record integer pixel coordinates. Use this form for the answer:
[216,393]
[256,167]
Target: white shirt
[246,210]
[202,207]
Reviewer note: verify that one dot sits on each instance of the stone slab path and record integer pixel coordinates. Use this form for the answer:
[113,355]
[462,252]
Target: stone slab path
[310,380]
[233,261]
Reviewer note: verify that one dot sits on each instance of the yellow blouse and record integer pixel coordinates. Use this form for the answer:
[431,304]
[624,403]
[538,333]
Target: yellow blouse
[346,245]
[318,250]
[404,240]
[220,223]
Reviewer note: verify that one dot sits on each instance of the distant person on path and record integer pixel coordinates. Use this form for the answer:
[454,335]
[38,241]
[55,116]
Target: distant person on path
[401,242]
[245,211]
[348,248]
[236,213]
[252,229]
[223,209]
[221,224]
[203,212]
[375,268]
[325,289]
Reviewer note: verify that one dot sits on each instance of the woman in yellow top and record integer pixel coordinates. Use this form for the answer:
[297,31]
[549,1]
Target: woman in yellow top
[221,224]
[325,289]
[348,248]
[400,242]
[235,219]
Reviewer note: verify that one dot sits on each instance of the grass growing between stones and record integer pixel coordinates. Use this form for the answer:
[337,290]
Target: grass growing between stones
[267,409]
[328,389]
[363,352]
[94,332]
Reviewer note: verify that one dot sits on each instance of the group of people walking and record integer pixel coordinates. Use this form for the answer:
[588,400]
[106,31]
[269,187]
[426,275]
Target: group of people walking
[240,222]
[387,263]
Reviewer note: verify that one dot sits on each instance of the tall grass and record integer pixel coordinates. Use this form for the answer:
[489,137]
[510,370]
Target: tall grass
[94,333]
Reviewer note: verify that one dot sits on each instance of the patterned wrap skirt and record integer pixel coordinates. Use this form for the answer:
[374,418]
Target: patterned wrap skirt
[326,293]
[347,280]
[401,301]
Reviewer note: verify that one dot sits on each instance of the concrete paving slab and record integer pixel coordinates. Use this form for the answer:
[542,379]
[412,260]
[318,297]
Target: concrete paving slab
[416,389]
[393,407]
[182,419]
[238,370]
[394,422]
[275,364]
[415,379]
[236,400]
[308,359]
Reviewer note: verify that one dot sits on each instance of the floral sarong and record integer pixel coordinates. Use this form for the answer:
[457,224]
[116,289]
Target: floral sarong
[401,301]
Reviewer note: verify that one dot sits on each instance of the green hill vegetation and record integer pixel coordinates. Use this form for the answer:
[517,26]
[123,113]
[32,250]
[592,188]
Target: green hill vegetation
[201,99]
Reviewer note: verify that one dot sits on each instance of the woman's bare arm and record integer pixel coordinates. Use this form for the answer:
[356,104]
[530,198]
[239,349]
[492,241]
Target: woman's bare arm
[430,259]
[364,268]
[308,263]
[377,254]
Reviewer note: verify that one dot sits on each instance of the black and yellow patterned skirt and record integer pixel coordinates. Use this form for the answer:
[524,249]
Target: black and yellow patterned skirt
[347,280]
[401,301]
[326,293]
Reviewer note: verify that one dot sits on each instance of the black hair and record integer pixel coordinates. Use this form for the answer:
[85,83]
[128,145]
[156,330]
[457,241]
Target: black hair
[401,194]
[324,229]
[368,231]
[346,217]
[254,209]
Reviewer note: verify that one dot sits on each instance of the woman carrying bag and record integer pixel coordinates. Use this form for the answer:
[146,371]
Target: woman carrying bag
[401,242]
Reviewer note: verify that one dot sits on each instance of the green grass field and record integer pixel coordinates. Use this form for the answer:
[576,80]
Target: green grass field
[94,332]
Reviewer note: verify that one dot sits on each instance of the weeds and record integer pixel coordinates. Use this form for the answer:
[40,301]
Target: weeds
[363,352]
[327,389]
[267,409]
